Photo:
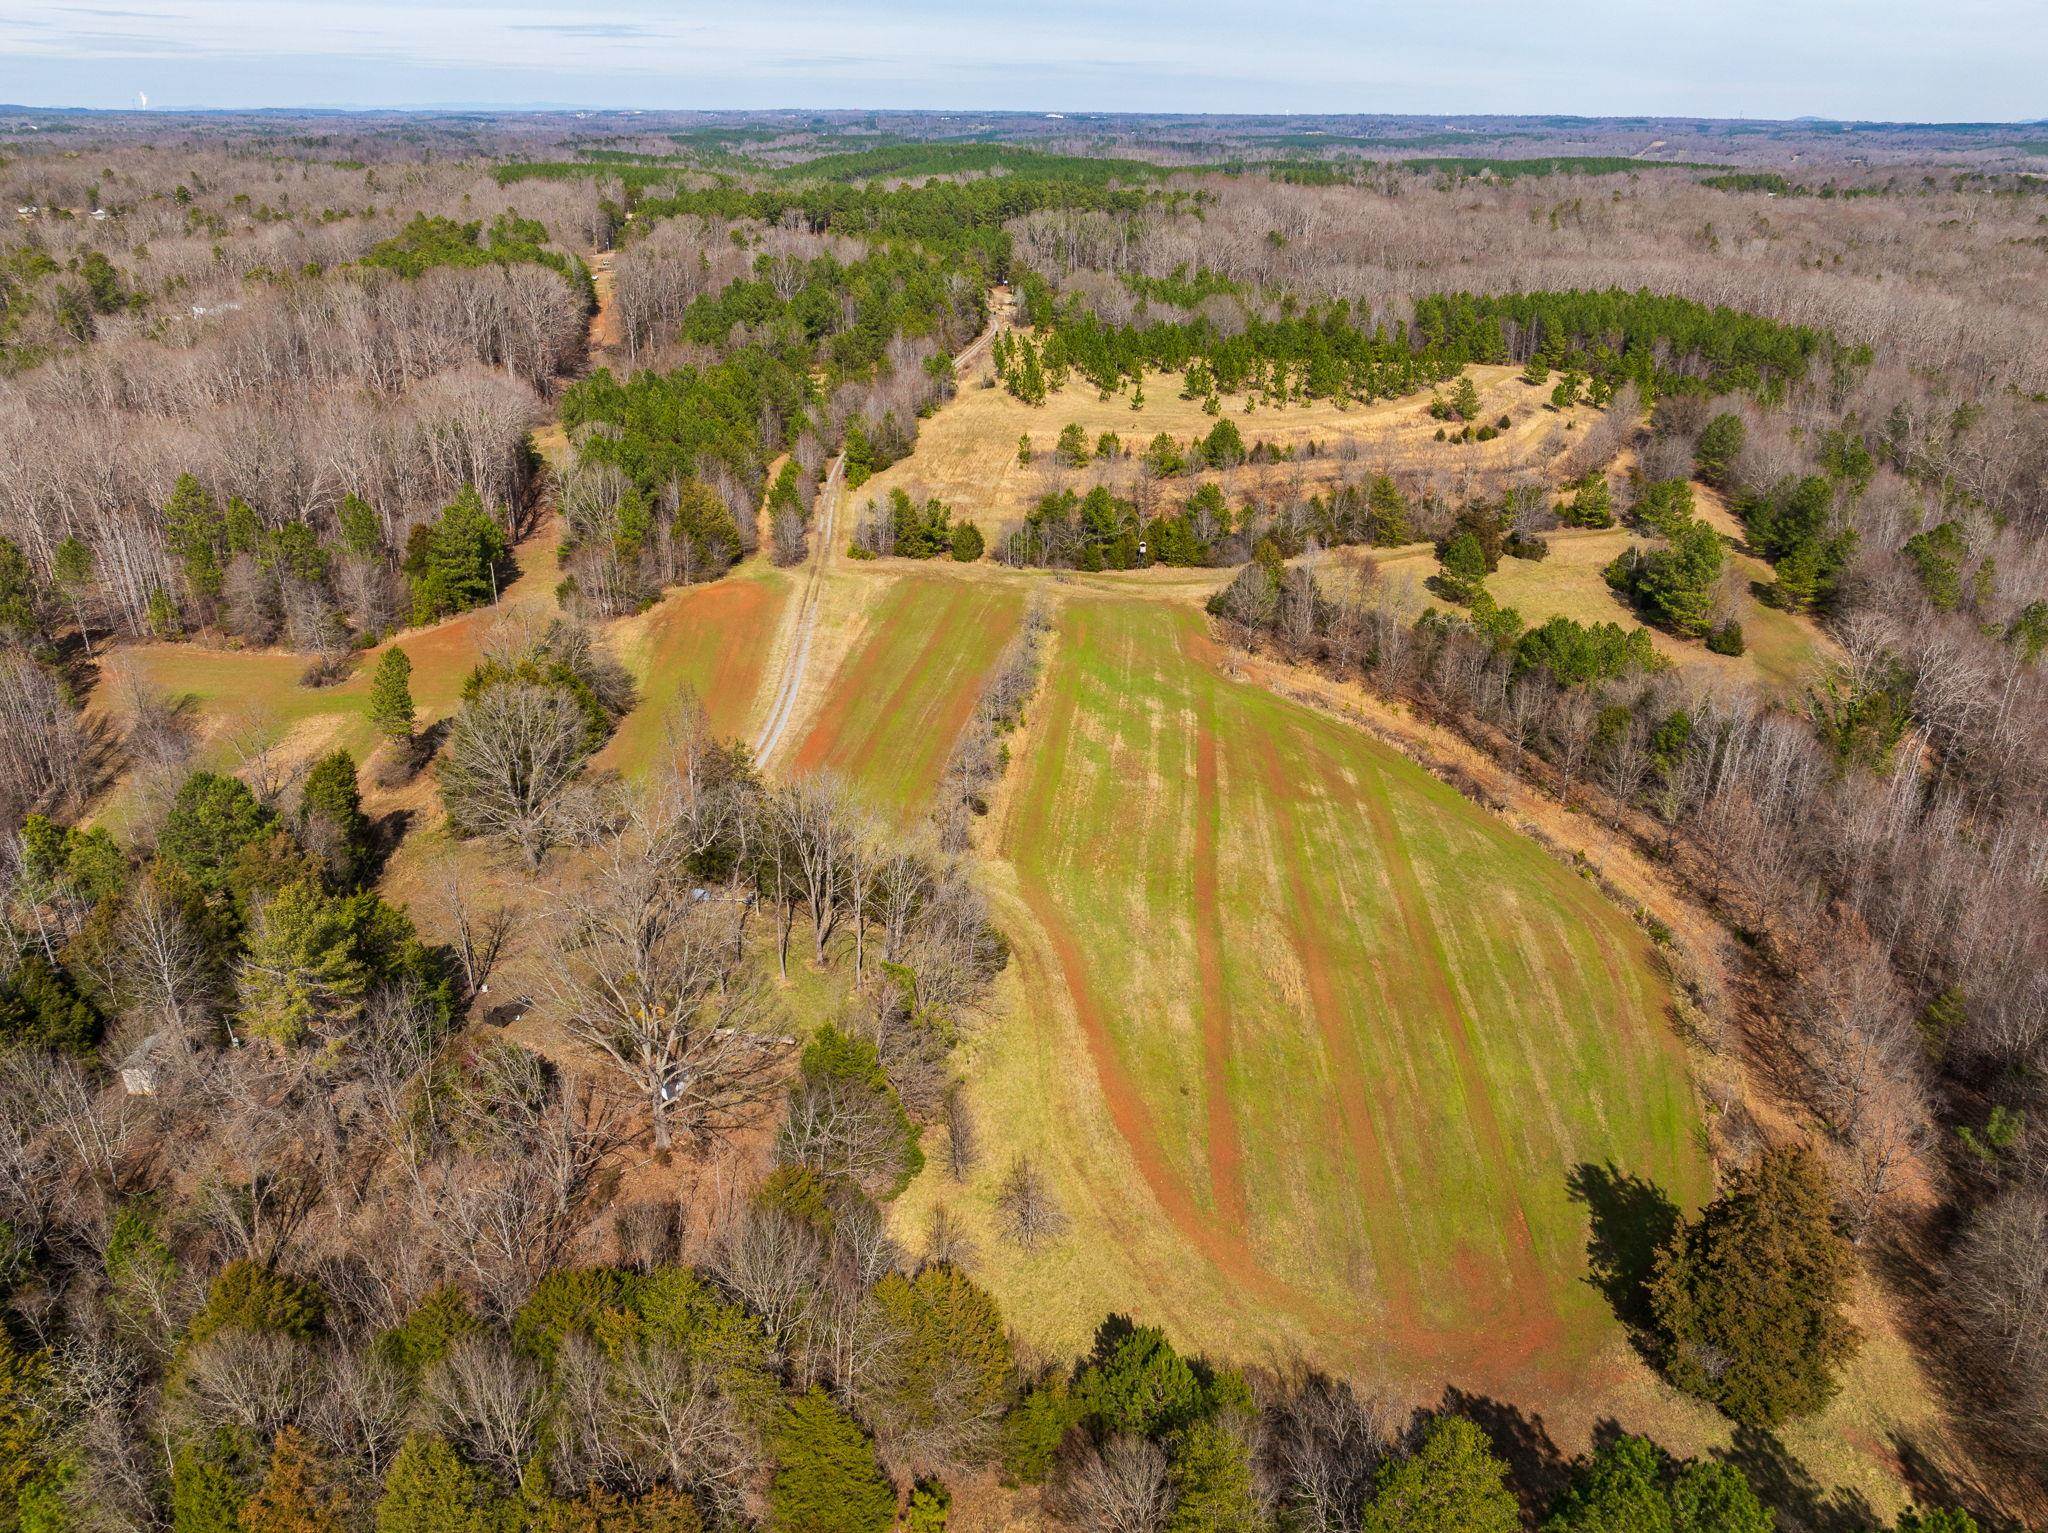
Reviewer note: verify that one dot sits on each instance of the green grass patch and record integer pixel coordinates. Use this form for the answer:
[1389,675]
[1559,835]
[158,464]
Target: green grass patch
[899,700]
[1419,1022]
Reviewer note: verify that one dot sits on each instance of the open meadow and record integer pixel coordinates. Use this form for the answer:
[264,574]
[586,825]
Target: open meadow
[967,453]
[897,701]
[1357,1039]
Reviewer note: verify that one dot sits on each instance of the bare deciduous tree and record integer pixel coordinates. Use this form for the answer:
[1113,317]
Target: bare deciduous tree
[1322,1447]
[643,973]
[1117,1487]
[513,753]
[479,934]
[1030,1214]
[491,1400]
[2001,1273]
[254,1380]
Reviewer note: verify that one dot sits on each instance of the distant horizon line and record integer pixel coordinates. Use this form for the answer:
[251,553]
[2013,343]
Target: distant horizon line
[539,108]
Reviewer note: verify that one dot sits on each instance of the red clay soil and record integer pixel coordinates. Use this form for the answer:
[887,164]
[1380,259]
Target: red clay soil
[1223,1245]
[1524,1325]
[444,653]
[605,329]
[1226,1150]
[1357,1119]
[1523,1331]
[741,613]
[744,611]
[831,740]
[822,744]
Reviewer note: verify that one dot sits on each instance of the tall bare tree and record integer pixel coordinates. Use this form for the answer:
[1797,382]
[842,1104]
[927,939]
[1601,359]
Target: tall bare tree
[643,972]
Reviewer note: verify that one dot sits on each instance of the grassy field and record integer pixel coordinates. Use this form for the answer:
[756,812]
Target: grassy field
[711,640]
[897,701]
[1349,1036]
[1783,648]
[967,453]
[231,698]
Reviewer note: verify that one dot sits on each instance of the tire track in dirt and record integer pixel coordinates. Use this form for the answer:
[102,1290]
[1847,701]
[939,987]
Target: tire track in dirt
[1225,1148]
[1516,1326]
[1379,1197]
[605,329]
[1220,1244]
[1537,1325]
[790,686]
[741,615]
[798,654]
[1223,1246]
[829,730]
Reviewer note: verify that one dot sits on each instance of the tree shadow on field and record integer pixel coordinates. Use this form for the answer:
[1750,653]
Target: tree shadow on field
[1942,1482]
[387,833]
[1631,1219]
[1538,1469]
[1787,1487]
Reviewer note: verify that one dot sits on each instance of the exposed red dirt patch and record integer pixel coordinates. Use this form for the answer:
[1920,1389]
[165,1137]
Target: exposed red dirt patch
[1524,1327]
[1357,1117]
[712,639]
[1226,1150]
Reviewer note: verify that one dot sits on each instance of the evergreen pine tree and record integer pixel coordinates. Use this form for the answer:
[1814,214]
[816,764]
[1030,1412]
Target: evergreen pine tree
[20,600]
[826,1477]
[1453,1483]
[430,1489]
[332,825]
[211,820]
[1715,452]
[211,1478]
[391,708]
[362,535]
[1211,1478]
[40,1008]
[197,536]
[1387,513]
[71,573]
[453,562]
[1748,1297]
[301,973]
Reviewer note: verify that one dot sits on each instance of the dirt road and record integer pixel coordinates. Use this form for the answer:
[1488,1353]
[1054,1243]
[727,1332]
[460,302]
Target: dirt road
[798,652]
[605,330]
[824,547]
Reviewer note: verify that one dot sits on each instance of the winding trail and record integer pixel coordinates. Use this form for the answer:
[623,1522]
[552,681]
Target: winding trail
[796,656]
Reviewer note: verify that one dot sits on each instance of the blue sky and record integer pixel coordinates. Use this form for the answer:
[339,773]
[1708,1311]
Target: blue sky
[1894,59]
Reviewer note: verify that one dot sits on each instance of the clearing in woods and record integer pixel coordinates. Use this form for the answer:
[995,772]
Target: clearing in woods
[901,696]
[1782,650]
[231,699]
[966,453]
[1349,1034]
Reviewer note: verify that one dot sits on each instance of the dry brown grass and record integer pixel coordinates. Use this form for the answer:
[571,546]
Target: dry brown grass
[1784,649]
[967,452]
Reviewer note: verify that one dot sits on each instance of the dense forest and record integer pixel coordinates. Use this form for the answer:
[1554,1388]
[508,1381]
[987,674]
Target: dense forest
[299,1230]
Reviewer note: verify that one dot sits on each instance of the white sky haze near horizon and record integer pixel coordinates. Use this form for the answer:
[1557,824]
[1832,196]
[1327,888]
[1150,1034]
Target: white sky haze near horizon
[1963,60]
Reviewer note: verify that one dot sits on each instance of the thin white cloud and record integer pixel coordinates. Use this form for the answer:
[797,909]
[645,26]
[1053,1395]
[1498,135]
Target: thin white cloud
[1950,58]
